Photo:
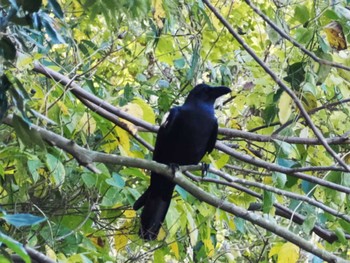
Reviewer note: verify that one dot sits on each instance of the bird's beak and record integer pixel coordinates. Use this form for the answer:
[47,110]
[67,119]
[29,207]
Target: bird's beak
[219,91]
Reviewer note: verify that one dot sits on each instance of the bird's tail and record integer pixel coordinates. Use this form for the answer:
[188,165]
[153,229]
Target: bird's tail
[155,204]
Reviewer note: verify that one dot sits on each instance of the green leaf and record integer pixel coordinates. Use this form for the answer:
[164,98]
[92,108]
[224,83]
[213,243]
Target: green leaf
[4,257]
[179,63]
[15,246]
[307,187]
[268,200]
[341,235]
[240,224]
[116,181]
[56,168]
[33,166]
[279,179]
[89,179]
[29,137]
[194,62]
[159,256]
[309,223]
[295,74]
[301,13]
[304,35]
[19,220]
[345,225]
[111,197]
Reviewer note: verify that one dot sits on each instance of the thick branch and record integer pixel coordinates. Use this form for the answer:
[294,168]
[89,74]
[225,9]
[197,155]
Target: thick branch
[274,167]
[293,140]
[280,210]
[81,93]
[295,196]
[87,156]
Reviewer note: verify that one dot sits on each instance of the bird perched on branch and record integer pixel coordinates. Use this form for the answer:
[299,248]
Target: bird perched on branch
[188,133]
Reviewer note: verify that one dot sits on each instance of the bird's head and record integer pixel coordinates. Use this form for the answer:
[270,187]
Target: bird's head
[206,93]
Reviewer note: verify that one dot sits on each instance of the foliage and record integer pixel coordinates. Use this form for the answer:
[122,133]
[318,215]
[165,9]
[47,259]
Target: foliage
[143,57]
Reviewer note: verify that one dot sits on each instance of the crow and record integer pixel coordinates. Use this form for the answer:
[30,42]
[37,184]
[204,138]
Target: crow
[188,133]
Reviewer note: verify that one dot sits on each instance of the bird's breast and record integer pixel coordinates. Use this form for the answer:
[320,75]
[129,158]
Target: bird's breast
[186,141]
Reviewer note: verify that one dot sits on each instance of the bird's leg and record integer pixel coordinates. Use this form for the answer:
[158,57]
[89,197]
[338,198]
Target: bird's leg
[205,169]
[174,167]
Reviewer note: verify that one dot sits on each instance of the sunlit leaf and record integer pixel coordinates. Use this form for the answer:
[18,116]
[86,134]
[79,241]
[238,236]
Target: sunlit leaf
[120,241]
[301,13]
[268,200]
[15,247]
[57,169]
[289,253]
[285,108]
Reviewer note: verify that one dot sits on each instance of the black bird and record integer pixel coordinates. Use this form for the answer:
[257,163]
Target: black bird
[187,134]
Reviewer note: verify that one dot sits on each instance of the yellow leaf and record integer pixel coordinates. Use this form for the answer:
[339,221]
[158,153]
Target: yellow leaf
[289,253]
[147,111]
[275,249]
[110,143]
[63,108]
[192,227]
[285,107]
[231,225]
[335,35]
[130,213]
[267,180]
[209,248]
[347,158]
[75,259]
[220,162]
[120,241]
[162,234]
[136,111]
[174,247]
[50,253]
[159,13]
[124,142]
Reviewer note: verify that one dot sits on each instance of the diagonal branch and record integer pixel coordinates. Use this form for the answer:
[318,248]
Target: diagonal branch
[87,156]
[294,42]
[295,99]
[281,169]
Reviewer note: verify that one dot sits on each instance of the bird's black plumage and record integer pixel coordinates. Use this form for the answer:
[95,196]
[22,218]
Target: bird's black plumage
[187,134]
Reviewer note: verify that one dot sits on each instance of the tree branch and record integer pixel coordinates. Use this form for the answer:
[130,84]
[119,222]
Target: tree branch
[281,169]
[87,156]
[279,82]
[294,42]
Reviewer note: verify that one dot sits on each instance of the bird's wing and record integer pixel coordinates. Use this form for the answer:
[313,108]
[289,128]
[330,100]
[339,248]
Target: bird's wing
[168,119]
[212,139]
[163,133]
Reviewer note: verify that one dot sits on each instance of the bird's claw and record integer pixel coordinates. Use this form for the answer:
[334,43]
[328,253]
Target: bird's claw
[174,167]
[205,169]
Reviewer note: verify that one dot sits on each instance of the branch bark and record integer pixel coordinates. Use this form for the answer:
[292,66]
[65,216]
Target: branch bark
[279,82]
[87,156]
